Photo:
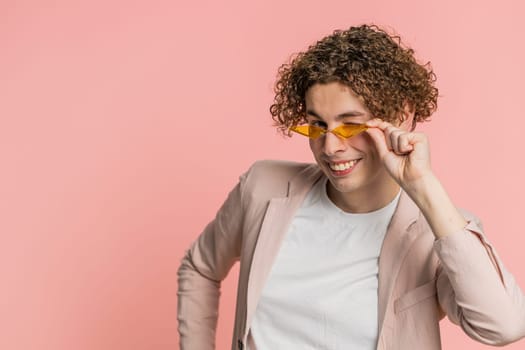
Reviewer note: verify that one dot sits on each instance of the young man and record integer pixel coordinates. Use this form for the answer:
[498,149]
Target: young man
[363,250]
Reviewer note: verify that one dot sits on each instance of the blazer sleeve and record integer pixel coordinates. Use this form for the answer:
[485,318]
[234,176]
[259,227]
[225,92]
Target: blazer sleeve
[475,289]
[203,267]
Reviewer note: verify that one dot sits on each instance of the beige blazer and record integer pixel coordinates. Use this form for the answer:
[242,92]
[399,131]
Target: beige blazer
[420,279]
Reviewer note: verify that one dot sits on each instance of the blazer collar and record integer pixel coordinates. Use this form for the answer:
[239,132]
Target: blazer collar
[301,183]
[277,218]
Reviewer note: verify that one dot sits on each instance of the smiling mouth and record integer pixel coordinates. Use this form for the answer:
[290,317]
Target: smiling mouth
[343,166]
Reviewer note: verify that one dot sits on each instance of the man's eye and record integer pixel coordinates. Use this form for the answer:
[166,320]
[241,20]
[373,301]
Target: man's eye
[318,124]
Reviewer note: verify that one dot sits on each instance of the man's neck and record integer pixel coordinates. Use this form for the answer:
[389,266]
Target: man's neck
[365,200]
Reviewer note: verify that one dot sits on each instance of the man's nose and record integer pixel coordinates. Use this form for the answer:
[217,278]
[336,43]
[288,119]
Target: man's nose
[333,144]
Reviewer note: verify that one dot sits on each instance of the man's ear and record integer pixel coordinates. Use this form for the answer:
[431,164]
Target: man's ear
[409,122]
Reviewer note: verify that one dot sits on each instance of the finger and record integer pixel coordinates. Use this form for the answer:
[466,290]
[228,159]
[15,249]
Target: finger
[419,143]
[404,145]
[389,131]
[394,136]
[380,141]
[373,123]
[419,139]
[378,123]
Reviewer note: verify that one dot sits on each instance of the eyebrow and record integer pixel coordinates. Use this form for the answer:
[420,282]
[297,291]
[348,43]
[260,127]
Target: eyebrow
[339,116]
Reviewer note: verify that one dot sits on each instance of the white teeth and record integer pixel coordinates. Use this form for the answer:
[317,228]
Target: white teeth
[343,166]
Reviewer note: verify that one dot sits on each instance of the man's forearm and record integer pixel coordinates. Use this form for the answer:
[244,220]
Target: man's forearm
[437,207]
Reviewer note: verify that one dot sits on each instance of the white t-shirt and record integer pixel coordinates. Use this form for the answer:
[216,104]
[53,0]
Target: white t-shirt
[322,290]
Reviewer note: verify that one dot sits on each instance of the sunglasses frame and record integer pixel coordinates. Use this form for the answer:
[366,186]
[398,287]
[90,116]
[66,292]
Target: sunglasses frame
[344,131]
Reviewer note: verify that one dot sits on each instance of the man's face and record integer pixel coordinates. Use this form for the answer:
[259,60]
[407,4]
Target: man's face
[352,165]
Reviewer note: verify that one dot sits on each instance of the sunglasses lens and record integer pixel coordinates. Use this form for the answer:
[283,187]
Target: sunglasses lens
[315,131]
[349,130]
[310,131]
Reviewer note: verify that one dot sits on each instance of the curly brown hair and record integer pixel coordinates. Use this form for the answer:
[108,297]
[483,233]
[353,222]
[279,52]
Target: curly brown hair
[374,64]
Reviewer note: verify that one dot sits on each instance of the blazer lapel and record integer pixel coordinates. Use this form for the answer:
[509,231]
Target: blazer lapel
[395,245]
[278,217]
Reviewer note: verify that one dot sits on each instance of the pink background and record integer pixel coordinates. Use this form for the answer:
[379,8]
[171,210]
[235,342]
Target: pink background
[110,166]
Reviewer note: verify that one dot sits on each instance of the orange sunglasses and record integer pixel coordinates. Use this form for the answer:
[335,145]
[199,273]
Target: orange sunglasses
[345,131]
